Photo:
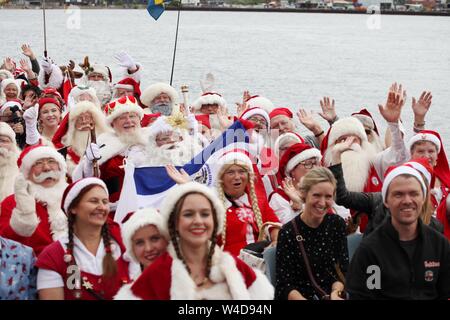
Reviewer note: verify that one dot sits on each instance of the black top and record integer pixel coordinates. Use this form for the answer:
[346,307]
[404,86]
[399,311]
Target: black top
[425,276]
[325,246]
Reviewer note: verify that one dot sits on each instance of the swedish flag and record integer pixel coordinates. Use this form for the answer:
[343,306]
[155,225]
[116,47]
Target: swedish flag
[156,7]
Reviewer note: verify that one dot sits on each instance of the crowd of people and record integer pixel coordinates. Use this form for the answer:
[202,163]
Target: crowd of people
[67,132]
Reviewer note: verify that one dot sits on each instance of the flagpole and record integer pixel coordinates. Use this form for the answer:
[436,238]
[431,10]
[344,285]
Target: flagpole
[45,29]
[175,46]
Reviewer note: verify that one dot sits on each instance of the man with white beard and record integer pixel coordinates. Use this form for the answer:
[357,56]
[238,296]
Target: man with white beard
[98,78]
[74,132]
[33,215]
[124,116]
[160,98]
[363,166]
[8,160]
[371,129]
[169,142]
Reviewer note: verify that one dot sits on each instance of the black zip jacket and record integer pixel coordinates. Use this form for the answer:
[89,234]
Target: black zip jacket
[425,277]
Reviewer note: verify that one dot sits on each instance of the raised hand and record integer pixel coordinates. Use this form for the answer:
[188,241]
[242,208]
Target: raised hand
[222,115]
[184,110]
[307,119]
[421,106]
[9,64]
[328,109]
[46,64]
[26,50]
[125,60]
[342,146]
[290,189]
[392,110]
[24,65]
[179,177]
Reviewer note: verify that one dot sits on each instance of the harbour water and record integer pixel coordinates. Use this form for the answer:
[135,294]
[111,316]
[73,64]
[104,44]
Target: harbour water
[292,58]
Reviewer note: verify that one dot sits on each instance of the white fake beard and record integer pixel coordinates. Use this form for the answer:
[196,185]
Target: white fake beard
[183,152]
[102,90]
[79,141]
[51,196]
[7,159]
[131,138]
[376,141]
[356,164]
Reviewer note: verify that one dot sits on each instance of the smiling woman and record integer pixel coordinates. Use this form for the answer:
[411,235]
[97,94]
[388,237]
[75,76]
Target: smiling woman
[88,263]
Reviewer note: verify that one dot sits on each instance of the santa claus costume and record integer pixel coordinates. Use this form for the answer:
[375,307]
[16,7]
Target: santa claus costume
[373,135]
[8,162]
[245,215]
[33,216]
[279,201]
[362,166]
[69,252]
[72,142]
[154,90]
[169,279]
[260,102]
[440,182]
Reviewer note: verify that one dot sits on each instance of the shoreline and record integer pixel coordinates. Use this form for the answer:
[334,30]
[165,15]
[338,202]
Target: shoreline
[235,9]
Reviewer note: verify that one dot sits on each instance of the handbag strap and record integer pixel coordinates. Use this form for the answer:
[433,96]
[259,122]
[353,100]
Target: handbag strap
[300,240]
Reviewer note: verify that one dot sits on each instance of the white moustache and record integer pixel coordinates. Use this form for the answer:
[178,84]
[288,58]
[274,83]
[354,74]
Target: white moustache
[46,175]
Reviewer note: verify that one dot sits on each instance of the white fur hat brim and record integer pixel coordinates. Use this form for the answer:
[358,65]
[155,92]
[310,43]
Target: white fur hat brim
[256,111]
[209,99]
[124,108]
[346,126]
[139,219]
[76,92]
[261,102]
[174,194]
[41,153]
[7,82]
[305,155]
[237,158]
[7,131]
[77,187]
[402,170]
[425,137]
[282,138]
[156,89]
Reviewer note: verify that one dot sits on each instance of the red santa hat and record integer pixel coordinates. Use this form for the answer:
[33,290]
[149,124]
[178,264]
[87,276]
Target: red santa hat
[395,171]
[31,154]
[366,119]
[175,193]
[256,111]
[261,102]
[7,82]
[203,119]
[342,127]
[73,190]
[9,104]
[149,118]
[49,100]
[120,106]
[155,90]
[129,84]
[287,136]
[441,169]
[137,220]
[296,154]
[7,131]
[423,166]
[209,98]
[52,92]
[281,112]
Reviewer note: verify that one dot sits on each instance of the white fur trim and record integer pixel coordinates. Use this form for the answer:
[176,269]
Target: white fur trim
[305,155]
[103,70]
[285,136]
[256,111]
[124,108]
[78,186]
[24,224]
[56,78]
[261,102]
[125,293]
[76,92]
[7,131]
[234,158]
[156,89]
[139,219]
[159,126]
[113,146]
[399,171]
[6,83]
[175,193]
[419,167]
[40,153]
[424,137]
[346,126]
[9,104]
[261,288]
[209,99]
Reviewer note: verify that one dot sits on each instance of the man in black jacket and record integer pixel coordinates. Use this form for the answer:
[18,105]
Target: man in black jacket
[402,258]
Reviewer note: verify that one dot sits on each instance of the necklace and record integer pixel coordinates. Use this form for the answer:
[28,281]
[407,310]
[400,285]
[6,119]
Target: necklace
[202,283]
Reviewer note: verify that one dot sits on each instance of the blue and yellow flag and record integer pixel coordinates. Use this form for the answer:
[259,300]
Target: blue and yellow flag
[156,7]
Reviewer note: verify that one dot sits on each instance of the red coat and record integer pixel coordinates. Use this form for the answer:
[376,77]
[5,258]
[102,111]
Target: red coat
[112,173]
[52,258]
[39,239]
[168,279]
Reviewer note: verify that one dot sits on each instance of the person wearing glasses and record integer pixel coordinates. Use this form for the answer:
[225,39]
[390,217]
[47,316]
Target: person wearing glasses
[33,215]
[296,161]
